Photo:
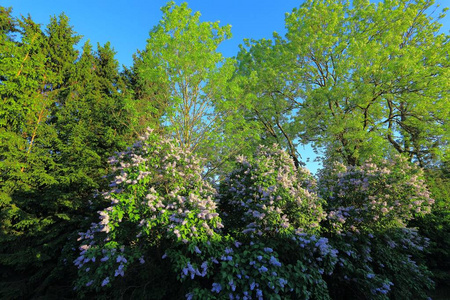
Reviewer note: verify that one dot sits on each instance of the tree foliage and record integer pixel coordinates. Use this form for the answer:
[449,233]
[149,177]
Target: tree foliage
[185,79]
[61,117]
[332,91]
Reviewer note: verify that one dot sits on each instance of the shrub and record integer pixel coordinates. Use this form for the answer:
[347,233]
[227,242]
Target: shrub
[373,196]
[368,209]
[159,205]
[270,208]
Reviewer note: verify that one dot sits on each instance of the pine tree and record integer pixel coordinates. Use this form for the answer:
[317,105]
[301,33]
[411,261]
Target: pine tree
[62,117]
[25,164]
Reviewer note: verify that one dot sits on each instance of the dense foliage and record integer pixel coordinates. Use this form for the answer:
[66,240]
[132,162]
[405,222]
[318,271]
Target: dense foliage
[62,115]
[353,78]
[265,233]
[368,209]
[163,181]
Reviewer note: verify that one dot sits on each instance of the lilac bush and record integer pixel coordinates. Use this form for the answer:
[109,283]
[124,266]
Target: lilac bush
[158,200]
[374,195]
[268,196]
[271,210]
[269,231]
[368,209]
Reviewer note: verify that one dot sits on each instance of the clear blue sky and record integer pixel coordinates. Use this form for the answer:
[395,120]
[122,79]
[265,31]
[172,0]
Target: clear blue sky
[126,23]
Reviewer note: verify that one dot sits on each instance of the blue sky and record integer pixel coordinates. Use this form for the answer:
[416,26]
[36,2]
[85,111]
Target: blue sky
[126,23]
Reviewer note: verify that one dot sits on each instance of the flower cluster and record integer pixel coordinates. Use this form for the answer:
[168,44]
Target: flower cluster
[373,195]
[257,269]
[380,265]
[267,195]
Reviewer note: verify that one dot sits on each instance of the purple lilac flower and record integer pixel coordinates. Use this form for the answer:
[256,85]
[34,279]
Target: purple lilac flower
[204,265]
[216,287]
[274,261]
[262,269]
[282,282]
[119,271]
[232,285]
[105,281]
[228,250]
[190,268]
[120,258]
[225,258]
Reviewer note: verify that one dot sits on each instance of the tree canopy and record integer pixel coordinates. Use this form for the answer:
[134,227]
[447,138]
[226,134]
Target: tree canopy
[354,79]
[186,79]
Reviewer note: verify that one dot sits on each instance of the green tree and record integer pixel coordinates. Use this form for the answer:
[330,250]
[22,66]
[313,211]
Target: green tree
[436,226]
[62,116]
[25,163]
[186,79]
[359,78]
[148,109]
[267,102]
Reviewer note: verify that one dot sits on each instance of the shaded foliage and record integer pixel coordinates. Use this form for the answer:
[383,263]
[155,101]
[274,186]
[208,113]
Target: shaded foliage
[60,115]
